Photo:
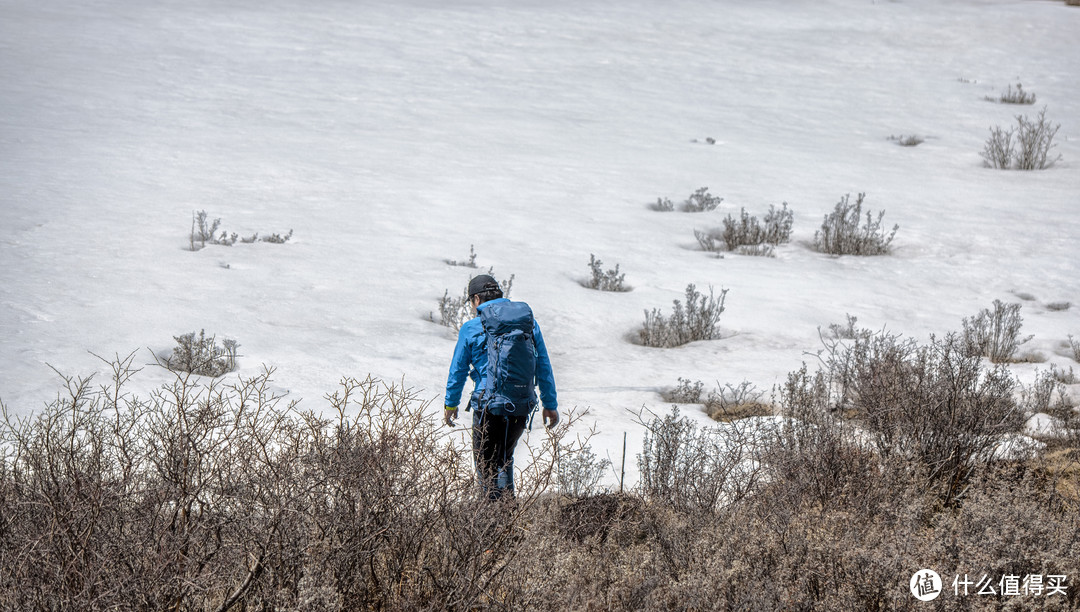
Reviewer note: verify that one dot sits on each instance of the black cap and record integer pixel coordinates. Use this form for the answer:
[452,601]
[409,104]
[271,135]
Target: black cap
[483,283]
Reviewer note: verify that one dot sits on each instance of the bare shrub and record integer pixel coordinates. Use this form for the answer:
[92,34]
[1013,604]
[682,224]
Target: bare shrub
[846,331]
[1035,139]
[218,496]
[995,333]
[697,320]
[213,496]
[578,469]
[1014,96]
[932,407]
[455,311]
[999,149]
[686,392]
[711,240]
[907,141]
[468,263]
[663,205]
[276,238]
[202,230]
[1039,396]
[701,201]
[695,469]
[1062,376]
[201,355]
[1074,344]
[841,233]
[601,280]
[1027,146]
[748,231]
[1058,306]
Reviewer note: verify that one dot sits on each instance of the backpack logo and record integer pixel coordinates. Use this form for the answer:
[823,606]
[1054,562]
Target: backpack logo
[511,352]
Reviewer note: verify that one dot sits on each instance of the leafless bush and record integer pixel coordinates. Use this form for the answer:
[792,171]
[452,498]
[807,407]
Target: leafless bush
[907,141]
[468,263]
[214,496]
[1064,377]
[999,149]
[1027,146]
[710,240]
[217,496]
[701,201]
[1074,344]
[1014,96]
[454,311]
[847,331]
[578,469]
[841,233]
[932,407]
[202,230]
[748,231]
[663,205]
[686,392]
[1039,396]
[276,238]
[995,333]
[695,469]
[1058,306]
[201,355]
[697,320]
[610,280]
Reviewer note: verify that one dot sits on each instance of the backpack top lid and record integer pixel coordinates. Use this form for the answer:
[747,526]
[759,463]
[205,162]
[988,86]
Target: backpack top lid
[503,317]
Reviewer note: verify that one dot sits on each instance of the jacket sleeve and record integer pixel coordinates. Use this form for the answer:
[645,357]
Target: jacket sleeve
[459,370]
[545,376]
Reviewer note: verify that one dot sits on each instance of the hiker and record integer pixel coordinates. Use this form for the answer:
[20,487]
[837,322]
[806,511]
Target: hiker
[502,351]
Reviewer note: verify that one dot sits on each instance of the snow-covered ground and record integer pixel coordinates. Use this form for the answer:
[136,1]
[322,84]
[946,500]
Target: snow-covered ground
[391,135]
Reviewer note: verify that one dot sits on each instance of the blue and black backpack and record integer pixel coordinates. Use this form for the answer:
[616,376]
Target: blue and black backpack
[511,367]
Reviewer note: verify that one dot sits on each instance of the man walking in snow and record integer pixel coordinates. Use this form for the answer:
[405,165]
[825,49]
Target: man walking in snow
[502,351]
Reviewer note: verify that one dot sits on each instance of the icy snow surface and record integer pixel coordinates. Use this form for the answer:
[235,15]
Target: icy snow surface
[391,135]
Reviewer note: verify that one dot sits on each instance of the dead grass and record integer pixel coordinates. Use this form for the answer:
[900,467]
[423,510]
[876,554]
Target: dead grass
[727,414]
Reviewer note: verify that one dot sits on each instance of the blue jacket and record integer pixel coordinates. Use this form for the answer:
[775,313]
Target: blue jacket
[470,361]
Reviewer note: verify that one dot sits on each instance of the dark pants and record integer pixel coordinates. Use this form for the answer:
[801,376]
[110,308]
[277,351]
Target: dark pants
[494,439]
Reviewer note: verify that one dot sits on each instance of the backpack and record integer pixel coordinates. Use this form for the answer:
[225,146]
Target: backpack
[511,364]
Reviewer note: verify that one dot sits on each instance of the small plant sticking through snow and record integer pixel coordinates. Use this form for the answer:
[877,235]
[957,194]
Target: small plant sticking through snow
[994,333]
[455,311]
[610,280]
[847,331]
[1074,344]
[841,233]
[201,355]
[686,392]
[748,236]
[699,201]
[697,320]
[907,141]
[1014,96]
[204,231]
[663,205]
[468,263]
[1023,147]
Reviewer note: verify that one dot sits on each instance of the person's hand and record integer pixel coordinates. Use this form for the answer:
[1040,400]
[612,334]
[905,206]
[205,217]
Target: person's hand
[551,418]
[448,415]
